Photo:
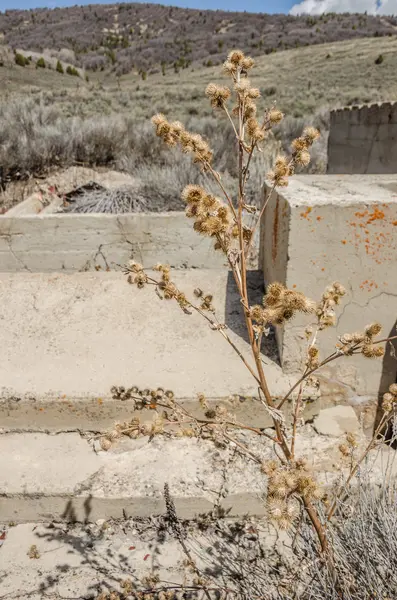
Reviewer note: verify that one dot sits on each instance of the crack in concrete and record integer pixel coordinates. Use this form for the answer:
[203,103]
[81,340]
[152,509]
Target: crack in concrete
[8,238]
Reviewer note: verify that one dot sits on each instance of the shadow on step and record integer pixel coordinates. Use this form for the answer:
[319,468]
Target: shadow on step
[234,316]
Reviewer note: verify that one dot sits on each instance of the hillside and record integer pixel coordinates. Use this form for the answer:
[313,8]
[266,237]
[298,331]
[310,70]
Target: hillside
[152,38]
[301,82]
[51,120]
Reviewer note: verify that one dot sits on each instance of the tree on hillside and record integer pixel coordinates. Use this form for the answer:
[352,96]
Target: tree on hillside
[72,71]
[20,60]
[59,67]
[40,63]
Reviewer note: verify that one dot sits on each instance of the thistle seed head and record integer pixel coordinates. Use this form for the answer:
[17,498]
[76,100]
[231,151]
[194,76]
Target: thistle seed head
[373,329]
[302,158]
[105,443]
[311,134]
[218,95]
[247,63]
[372,351]
[236,57]
[193,194]
[275,116]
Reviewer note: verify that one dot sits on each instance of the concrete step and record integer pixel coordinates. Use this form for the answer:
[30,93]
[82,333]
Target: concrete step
[45,477]
[68,477]
[68,338]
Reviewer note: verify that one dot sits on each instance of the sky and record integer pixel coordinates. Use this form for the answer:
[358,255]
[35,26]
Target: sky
[386,7]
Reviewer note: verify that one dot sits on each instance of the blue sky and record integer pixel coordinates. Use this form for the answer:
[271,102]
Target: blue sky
[268,6]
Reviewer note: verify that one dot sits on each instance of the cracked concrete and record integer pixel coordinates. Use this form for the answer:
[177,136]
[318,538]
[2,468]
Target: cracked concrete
[337,228]
[71,242]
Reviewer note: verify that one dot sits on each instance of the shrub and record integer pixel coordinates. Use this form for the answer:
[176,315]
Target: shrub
[21,60]
[59,67]
[379,60]
[40,64]
[72,71]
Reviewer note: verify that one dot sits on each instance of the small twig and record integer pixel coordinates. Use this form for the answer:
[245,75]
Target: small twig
[374,440]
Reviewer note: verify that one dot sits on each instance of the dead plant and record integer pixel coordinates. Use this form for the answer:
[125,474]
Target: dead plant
[231,223]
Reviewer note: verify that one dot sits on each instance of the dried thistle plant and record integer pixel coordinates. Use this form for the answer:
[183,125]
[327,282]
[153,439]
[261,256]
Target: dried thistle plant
[231,223]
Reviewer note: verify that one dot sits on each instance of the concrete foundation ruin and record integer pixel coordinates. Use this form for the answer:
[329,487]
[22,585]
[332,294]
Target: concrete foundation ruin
[72,328]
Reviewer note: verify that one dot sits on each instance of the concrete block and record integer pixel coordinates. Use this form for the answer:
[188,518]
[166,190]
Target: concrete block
[51,477]
[64,478]
[336,420]
[32,205]
[326,228]
[68,242]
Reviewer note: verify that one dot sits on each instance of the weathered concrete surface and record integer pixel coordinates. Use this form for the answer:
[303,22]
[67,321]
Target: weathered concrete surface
[58,414]
[73,242]
[337,420]
[363,139]
[46,477]
[72,337]
[326,228]
[80,561]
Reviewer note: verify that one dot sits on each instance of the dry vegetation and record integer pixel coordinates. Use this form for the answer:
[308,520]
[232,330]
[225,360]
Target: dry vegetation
[329,545]
[49,119]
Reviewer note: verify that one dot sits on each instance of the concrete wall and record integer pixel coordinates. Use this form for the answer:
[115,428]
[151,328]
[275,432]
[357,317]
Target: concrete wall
[65,242]
[363,139]
[327,228]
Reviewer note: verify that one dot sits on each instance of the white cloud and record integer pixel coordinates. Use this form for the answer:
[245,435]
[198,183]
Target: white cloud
[318,7]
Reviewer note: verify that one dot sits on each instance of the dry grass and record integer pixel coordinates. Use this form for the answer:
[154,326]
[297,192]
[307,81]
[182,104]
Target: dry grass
[48,119]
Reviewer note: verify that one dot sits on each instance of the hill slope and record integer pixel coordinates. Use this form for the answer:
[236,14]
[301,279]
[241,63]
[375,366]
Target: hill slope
[52,120]
[300,81]
[153,38]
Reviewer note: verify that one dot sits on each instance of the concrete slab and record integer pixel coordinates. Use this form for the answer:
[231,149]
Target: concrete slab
[326,228]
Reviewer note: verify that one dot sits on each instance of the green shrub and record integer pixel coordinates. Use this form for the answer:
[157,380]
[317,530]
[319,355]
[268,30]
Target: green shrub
[20,60]
[72,71]
[379,60]
[40,64]
[59,67]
